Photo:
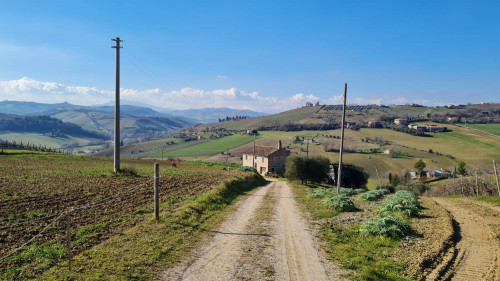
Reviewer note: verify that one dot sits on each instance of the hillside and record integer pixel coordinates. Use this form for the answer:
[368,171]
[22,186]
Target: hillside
[321,117]
[137,123]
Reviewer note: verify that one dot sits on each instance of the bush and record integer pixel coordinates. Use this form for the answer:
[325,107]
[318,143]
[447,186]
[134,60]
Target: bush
[352,176]
[314,169]
[374,195]
[347,191]
[387,187]
[387,226]
[320,192]
[340,203]
[360,190]
[417,188]
[402,201]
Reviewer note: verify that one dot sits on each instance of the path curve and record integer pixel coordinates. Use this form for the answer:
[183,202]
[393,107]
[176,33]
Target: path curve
[475,255]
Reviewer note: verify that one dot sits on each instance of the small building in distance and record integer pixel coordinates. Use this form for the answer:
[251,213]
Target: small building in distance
[268,159]
[308,140]
[417,127]
[400,121]
[388,151]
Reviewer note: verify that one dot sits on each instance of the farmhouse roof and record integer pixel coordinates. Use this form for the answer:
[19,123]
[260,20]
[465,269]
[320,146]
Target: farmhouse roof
[261,150]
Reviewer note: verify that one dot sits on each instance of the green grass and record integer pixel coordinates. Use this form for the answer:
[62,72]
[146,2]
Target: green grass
[212,147]
[471,148]
[368,256]
[492,200]
[489,128]
[53,142]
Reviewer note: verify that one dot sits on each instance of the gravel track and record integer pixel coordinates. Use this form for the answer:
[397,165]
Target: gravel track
[267,238]
[475,255]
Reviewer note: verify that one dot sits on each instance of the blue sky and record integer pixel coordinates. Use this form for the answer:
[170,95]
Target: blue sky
[262,55]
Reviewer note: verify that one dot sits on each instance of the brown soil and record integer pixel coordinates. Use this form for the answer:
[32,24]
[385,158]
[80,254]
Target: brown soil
[475,253]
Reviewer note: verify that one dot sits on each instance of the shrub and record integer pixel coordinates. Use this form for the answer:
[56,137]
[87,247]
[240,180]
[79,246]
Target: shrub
[387,226]
[347,191]
[402,201]
[374,195]
[320,192]
[339,203]
[352,176]
[417,188]
[387,187]
[359,190]
[313,169]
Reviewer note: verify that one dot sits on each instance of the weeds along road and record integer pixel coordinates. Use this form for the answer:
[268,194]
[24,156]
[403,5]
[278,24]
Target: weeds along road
[475,254]
[267,238]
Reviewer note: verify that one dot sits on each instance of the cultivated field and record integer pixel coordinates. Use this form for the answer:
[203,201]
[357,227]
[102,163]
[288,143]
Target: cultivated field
[36,188]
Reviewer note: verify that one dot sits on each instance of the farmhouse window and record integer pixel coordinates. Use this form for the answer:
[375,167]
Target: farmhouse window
[262,159]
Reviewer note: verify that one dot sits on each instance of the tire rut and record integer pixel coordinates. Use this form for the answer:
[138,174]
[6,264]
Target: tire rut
[475,252]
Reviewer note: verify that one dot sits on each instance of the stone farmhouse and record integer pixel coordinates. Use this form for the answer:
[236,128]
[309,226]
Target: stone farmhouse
[268,159]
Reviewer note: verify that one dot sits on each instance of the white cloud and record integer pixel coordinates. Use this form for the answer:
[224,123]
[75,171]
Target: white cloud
[27,89]
[220,76]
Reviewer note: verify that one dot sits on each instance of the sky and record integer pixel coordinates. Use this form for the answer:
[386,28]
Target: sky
[267,56]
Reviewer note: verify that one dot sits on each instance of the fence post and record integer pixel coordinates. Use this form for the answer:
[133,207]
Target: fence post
[68,240]
[496,176]
[157,184]
[477,186]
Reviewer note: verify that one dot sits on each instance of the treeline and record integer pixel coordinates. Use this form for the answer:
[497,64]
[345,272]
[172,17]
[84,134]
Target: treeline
[233,118]
[43,125]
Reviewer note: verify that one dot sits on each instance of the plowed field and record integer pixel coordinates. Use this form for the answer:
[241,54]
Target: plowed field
[33,187]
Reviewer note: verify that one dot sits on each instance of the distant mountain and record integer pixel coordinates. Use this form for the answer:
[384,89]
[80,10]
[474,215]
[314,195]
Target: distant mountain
[136,122]
[203,115]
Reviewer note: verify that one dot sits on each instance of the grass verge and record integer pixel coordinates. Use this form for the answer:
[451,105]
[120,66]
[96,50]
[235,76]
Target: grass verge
[142,252]
[369,258]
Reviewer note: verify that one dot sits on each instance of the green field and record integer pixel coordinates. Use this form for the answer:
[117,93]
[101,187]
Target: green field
[212,147]
[69,142]
[489,128]
[463,145]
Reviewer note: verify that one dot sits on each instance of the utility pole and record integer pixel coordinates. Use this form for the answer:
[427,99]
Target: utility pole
[117,104]
[341,141]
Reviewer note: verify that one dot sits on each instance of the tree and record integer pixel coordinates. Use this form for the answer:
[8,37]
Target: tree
[352,176]
[313,169]
[461,168]
[420,166]
[395,180]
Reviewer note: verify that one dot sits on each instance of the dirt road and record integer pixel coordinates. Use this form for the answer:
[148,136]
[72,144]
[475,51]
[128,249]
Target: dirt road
[267,238]
[475,253]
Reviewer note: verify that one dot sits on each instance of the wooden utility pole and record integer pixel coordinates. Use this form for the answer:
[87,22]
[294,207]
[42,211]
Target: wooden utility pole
[341,141]
[156,192]
[496,176]
[117,104]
